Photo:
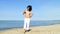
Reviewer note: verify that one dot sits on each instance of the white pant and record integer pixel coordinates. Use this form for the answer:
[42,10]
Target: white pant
[26,23]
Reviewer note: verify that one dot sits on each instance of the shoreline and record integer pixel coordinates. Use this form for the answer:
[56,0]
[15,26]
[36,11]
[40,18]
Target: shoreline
[22,27]
[50,29]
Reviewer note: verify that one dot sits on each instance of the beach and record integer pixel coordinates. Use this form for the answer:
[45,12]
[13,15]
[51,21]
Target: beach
[50,29]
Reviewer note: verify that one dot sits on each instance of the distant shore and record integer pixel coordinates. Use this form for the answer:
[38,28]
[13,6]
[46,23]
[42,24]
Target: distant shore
[51,29]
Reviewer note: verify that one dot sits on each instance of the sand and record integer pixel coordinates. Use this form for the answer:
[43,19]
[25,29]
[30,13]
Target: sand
[50,29]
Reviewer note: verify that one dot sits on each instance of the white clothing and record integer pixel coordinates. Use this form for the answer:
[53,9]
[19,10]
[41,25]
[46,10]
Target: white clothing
[26,23]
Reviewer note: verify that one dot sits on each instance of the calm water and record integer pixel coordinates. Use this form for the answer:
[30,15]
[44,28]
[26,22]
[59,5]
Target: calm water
[5,24]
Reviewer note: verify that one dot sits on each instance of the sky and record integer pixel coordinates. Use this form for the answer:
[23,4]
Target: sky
[41,9]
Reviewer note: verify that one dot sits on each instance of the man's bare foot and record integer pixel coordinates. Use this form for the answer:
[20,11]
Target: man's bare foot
[24,31]
[27,30]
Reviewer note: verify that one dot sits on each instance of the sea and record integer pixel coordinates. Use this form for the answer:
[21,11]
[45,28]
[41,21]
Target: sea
[8,24]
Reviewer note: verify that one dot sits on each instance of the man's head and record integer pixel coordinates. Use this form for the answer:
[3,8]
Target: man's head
[29,7]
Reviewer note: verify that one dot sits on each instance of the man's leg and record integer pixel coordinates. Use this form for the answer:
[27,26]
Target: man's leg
[28,21]
[25,24]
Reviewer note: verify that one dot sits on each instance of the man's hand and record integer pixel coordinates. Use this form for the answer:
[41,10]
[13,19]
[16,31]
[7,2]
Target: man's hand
[31,15]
